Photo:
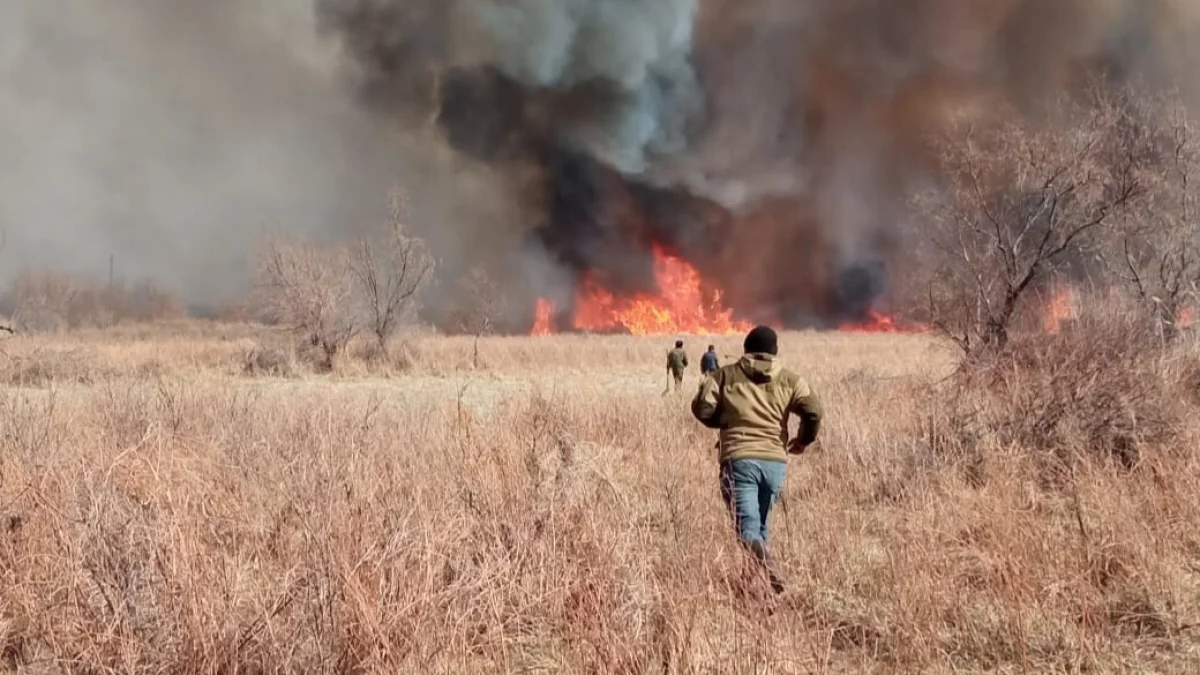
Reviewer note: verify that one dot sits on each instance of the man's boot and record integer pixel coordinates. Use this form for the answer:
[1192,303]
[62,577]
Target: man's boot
[759,549]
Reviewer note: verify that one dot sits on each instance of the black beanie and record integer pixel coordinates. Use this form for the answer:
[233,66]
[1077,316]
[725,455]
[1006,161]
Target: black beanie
[761,340]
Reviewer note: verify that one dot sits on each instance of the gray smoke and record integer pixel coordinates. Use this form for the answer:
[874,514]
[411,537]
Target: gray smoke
[614,77]
[170,133]
[538,139]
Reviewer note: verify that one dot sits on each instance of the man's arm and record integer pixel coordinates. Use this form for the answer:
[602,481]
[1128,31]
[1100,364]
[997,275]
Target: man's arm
[807,405]
[706,406]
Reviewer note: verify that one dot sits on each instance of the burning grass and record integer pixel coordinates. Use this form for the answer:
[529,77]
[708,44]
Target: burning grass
[682,305]
[544,507]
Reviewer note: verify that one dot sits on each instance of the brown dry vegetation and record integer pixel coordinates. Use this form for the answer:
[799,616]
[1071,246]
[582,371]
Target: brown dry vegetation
[332,494]
[541,506]
[48,301]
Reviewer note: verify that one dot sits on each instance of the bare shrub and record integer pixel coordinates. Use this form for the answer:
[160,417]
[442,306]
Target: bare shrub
[308,290]
[1156,249]
[484,303]
[481,304]
[269,360]
[5,305]
[41,301]
[49,301]
[390,270]
[146,301]
[1096,391]
[45,366]
[1019,202]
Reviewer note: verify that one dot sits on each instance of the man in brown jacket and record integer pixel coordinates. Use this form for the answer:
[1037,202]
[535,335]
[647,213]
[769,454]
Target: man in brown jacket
[750,402]
[677,362]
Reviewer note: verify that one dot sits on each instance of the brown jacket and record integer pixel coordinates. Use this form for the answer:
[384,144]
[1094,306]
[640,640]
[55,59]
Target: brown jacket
[751,402]
[677,360]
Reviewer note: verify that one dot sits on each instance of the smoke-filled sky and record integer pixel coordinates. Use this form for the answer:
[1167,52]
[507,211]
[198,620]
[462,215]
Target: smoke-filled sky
[170,132]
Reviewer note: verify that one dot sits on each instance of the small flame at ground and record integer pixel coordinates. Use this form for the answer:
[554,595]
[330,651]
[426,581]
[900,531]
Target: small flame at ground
[878,322]
[1186,317]
[542,318]
[680,308]
[1062,307]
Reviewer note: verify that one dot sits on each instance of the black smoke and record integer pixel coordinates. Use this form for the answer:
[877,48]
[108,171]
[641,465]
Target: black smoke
[769,143]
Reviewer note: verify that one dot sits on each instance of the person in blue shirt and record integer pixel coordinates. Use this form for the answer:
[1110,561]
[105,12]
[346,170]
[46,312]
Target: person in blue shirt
[709,362]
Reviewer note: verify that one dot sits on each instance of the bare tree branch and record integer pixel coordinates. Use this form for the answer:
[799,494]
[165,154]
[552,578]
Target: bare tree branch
[1019,204]
[390,270]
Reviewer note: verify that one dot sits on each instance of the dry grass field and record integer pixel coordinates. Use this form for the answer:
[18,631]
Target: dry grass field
[541,506]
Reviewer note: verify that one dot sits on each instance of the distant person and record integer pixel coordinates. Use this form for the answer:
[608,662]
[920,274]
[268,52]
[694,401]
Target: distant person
[750,402]
[677,363]
[709,362]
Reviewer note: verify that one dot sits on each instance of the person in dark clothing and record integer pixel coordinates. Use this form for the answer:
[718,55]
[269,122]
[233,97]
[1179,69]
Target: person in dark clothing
[677,363]
[709,362]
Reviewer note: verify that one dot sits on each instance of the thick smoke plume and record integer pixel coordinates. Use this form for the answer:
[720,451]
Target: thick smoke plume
[769,142]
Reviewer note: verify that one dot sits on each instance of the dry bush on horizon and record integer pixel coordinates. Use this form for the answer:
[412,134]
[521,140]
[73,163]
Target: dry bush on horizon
[1101,198]
[1103,388]
[47,301]
[1020,202]
[390,271]
[309,291]
[328,295]
[1155,250]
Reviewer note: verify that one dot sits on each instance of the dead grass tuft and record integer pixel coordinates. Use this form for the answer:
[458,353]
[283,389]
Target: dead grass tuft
[43,367]
[275,361]
[1098,390]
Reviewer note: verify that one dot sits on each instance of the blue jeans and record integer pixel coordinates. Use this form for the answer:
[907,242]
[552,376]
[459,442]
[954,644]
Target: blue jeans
[750,488]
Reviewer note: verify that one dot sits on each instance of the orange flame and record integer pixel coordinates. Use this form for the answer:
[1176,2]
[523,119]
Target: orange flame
[1186,317]
[542,315]
[680,308]
[1061,308]
[877,322]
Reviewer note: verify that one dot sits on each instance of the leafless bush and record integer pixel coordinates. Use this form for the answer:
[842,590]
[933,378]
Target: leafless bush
[1156,249]
[5,309]
[1018,203]
[146,301]
[327,295]
[50,301]
[269,360]
[310,291]
[481,303]
[47,366]
[390,270]
[1098,390]
[41,301]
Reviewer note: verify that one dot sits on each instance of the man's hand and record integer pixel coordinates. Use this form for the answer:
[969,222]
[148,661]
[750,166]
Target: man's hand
[795,448]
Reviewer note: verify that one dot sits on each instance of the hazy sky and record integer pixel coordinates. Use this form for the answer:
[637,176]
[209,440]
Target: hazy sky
[169,133]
